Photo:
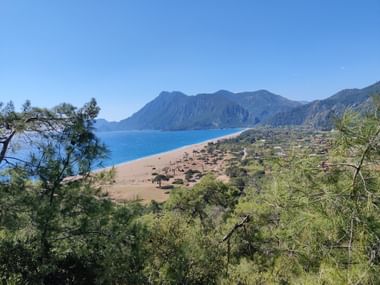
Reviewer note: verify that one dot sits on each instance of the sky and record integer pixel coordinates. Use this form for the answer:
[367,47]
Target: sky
[124,52]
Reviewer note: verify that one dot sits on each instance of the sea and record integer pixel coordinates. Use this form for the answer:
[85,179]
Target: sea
[125,146]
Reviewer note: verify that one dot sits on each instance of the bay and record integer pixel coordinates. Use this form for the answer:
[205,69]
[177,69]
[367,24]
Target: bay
[126,146]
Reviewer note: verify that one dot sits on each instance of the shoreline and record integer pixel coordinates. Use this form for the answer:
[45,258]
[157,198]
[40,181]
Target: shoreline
[133,179]
[232,135]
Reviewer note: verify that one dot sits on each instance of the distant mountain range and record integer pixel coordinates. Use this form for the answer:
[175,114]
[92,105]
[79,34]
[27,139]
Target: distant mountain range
[321,113]
[224,109]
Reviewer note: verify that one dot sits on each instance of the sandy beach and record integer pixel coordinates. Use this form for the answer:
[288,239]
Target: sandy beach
[133,180]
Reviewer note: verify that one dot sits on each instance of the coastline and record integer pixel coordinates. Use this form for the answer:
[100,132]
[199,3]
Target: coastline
[133,178]
[173,150]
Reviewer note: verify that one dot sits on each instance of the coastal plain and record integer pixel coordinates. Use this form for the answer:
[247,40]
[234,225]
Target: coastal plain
[133,180]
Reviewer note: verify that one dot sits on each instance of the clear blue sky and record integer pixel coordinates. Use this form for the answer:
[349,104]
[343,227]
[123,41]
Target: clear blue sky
[124,52]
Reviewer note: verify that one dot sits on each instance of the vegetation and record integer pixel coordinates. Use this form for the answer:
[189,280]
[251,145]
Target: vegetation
[302,207]
[159,178]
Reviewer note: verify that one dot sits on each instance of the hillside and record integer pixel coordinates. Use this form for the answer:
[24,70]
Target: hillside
[261,104]
[321,113]
[222,109]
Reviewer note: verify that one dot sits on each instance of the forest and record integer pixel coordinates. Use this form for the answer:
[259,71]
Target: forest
[301,207]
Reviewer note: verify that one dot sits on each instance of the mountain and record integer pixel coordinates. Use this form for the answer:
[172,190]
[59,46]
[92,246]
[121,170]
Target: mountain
[222,109]
[175,111]
[260,104]
[104,125]
[321,113]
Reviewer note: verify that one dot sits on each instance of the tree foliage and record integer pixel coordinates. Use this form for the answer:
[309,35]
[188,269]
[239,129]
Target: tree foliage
[56,226]
[310,217]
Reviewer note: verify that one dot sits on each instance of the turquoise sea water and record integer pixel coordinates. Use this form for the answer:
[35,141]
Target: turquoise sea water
[125,146]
